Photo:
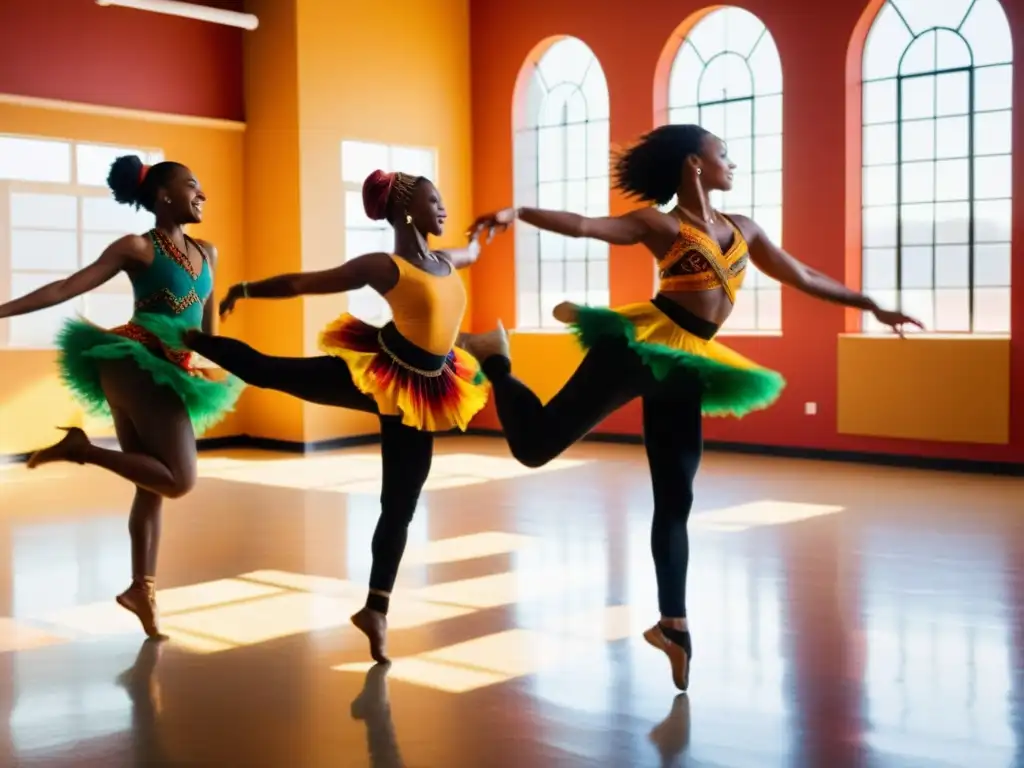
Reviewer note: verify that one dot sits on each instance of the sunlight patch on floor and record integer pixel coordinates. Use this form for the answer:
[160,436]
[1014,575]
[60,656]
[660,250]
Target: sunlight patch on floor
[362,473]
[756,514]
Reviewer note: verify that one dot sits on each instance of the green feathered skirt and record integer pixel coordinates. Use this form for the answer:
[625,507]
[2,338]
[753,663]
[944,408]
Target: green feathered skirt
[732,384]
[82,346]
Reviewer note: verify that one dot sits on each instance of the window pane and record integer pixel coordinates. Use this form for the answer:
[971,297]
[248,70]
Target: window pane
[32,211]
[768,188]
[35,159]
[360,241]
[988,33]
[918,182]
[992,310]
[36,249]
[879,226]
[918,140]
[880,185]
[992,221]
[916,223]
[916,267]
[576,151]
[355,214]
[880,102]
[104,214]
[951,51]
[885,43]
[739,120]
[992,265]
[415,161]
[918,98]
[919,304]
[879,269]
[726,77]
[952,266]
[682,85]
[37,329]
[598,150]
[767,153]
[769,309]
[93,245]
[952,310]
[919,56]
[551,153]
[952,180]
[953,94]
[952,221]
[93,161]
[768,115]
[993,88]
[992,177]
[359,159]
[992,133]
[952,137]
[740,152]
[368,306]
[597,197]
[880,144]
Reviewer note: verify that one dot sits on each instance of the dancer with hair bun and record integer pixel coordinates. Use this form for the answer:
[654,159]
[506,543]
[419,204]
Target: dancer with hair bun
[663,350]
[157,398]
[408,371]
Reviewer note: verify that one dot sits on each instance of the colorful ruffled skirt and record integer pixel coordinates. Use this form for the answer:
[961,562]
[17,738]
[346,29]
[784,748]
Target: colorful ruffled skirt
[82,346]
[668,338]
[433,393]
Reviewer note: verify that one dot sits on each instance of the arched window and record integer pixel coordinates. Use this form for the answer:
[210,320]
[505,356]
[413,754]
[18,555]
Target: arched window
[727,77]
[561,159]
[936,154]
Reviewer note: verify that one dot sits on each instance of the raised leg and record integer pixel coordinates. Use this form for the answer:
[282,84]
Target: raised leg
[406,454]
[324,380]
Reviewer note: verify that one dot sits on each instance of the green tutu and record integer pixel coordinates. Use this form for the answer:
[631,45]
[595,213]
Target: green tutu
[83,345]
[732,385]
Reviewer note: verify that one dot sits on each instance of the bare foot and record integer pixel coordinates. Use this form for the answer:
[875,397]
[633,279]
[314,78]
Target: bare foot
[485,345]
[71,448]
[375,626]
[141,601]
[374,697]
[566,312]
[676,656]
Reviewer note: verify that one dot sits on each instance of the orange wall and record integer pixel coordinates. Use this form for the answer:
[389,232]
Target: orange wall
[628,44]
[32,400]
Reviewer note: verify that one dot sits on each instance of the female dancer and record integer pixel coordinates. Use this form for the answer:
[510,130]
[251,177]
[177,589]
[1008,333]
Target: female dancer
[663,350]
[157,399]
[406,372]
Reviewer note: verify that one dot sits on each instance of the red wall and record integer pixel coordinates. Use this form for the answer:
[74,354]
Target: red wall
[813,39]
[75,50]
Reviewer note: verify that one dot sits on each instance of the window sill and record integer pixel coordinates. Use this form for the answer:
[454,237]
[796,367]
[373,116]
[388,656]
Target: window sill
[929,336]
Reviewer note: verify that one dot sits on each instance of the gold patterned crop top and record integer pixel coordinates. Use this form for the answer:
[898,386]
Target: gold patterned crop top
[695,262]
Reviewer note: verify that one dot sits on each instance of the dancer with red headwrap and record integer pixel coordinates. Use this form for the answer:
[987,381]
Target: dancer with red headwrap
[408,372]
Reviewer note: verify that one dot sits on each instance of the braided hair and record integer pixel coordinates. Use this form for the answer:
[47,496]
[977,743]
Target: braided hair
[388,194]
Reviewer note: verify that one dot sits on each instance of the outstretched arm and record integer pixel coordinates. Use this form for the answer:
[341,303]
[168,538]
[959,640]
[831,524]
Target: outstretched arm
[778,264]
[464,257]
[372,269]
[628,229]
[117,257]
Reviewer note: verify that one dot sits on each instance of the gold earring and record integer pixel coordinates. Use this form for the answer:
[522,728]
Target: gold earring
[408,218]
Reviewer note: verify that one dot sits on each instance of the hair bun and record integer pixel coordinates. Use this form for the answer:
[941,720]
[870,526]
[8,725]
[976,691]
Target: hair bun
[125,178]
[376,190]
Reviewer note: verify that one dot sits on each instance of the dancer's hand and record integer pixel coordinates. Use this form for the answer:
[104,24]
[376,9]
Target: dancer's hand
[896,320]
[227,305]
[495,223]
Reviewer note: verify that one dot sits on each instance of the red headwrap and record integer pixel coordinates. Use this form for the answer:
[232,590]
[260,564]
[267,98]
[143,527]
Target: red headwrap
[142,172]
[376,190]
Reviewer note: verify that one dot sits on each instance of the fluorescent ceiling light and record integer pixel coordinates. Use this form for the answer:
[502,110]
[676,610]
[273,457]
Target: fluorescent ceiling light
[189,11]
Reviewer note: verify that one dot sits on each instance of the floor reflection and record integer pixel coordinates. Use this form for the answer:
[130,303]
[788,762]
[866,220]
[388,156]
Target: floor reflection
[830,628]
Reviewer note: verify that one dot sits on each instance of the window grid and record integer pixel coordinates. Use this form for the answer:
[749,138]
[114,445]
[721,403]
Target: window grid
[561,163]
[936,165]
[362,234]
[745,110]
[77,182]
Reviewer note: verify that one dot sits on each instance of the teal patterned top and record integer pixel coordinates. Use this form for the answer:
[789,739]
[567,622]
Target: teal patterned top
[169,286]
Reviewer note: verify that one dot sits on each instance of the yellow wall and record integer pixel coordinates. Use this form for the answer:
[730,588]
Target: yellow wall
[925,388]
[32,400]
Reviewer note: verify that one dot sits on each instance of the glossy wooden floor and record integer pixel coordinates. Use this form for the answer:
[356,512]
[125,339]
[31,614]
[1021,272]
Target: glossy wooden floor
[842,616]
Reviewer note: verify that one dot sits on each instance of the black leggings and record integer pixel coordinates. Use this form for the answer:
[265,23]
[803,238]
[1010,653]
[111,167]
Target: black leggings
[610,376]
[406,452]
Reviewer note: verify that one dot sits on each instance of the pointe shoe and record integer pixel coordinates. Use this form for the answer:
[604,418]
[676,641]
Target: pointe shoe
[677,656]
[140,599]
[374,625]
[71,448]
[485,345]
[566,312]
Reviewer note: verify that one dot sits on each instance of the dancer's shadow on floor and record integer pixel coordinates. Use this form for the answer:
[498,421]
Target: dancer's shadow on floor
[140,683]
[671,736]
[373,708]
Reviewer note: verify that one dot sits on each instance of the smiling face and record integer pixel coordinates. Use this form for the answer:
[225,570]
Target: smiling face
[716,169]
[427,209]
[186,197]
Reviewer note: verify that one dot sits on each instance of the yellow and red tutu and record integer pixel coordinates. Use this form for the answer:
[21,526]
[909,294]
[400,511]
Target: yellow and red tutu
[433,393]
[667,338]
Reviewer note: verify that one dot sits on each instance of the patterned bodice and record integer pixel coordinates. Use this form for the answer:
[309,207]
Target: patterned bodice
[169,286]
